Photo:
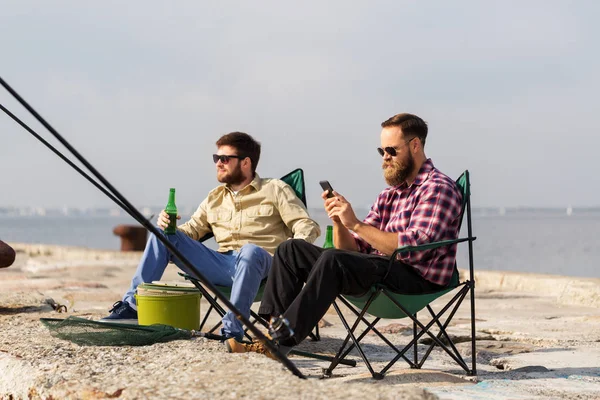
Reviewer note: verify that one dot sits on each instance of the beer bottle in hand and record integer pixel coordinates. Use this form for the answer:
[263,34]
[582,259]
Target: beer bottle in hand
[329,238]
[171,210]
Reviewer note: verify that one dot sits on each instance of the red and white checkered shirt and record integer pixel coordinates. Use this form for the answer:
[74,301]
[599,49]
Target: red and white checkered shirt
[426,211]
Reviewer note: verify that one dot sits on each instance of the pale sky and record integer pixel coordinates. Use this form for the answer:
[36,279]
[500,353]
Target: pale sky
[143,89]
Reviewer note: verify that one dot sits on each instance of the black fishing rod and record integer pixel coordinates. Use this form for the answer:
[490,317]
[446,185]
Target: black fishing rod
[65,159]
[139,217]
[89,178]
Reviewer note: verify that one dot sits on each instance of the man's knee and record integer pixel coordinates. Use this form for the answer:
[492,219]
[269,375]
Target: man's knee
[154,241]
[333,256]
[292,245]
[253,256]
[330,261]
[252,251]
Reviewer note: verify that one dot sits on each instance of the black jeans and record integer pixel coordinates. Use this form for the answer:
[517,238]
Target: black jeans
[327,273]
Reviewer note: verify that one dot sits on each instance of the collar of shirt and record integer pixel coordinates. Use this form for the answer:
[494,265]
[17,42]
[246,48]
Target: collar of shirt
[421,177]
[256,183]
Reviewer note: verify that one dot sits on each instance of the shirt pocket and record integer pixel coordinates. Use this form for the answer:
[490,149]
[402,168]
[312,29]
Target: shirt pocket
[216,217]
[264,210]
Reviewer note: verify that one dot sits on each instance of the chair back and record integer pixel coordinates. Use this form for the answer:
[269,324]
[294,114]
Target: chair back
[296,180]
[464,186]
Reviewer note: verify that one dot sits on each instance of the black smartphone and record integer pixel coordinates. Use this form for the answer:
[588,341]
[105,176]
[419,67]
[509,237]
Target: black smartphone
[327,186]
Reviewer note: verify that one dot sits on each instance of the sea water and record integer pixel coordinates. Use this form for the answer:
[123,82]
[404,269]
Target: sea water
[529,240]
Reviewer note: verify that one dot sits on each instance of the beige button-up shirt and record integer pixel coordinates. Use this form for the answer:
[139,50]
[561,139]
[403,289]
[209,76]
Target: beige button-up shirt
[265,213]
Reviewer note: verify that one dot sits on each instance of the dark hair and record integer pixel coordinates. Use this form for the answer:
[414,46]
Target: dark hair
[244,144]
[410,124]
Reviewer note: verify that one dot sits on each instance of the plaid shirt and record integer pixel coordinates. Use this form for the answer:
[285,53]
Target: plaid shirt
[426,211]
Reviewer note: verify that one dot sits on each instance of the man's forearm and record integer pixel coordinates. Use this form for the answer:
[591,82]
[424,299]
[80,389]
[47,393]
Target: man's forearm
[385,242]
[342,238]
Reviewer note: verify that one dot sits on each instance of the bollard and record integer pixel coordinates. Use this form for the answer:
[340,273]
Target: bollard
[7,255]
[133,238]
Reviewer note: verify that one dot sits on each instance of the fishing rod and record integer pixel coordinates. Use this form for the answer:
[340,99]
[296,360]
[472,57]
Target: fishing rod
[91,180]
[139,217]
[65,159]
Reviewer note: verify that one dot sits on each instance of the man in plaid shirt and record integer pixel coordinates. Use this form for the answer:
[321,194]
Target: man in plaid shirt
[420,206]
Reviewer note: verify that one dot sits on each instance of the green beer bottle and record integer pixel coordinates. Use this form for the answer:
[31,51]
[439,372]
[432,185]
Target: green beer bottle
[329,238]
[171,210]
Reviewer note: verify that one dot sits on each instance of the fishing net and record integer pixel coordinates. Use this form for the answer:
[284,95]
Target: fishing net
[94,333]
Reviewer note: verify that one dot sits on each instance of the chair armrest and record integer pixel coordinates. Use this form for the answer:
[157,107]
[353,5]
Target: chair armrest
[206,237]
[428,246]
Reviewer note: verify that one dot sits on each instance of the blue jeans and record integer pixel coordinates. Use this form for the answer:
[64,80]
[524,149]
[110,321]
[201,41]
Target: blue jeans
[241,270]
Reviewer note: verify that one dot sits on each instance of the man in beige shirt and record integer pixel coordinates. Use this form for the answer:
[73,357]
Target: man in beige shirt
[249,217]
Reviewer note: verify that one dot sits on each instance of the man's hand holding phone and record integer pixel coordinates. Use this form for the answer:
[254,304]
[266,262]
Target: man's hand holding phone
[327,188]
[338,208]
[328,196]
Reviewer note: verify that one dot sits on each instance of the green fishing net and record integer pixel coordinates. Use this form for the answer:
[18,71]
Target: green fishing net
[86,332]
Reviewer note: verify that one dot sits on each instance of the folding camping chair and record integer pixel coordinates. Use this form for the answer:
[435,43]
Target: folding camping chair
[296,180]
[382,302]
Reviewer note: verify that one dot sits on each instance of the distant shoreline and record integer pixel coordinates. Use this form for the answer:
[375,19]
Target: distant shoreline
[186,211]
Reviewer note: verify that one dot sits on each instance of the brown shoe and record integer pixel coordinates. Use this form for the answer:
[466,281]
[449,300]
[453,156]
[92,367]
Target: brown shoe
[233,346]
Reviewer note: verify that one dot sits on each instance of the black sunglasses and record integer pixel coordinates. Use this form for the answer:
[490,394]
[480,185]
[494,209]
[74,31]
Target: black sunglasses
[392,151]
[225,159]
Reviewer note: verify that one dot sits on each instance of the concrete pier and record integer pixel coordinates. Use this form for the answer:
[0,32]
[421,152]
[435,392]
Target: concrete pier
[538,337]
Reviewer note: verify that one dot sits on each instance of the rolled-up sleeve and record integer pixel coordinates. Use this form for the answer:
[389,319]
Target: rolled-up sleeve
[294,215]
[198,225]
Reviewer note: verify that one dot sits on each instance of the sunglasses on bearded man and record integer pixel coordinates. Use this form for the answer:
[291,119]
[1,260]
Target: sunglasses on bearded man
[225,158]
[392,151]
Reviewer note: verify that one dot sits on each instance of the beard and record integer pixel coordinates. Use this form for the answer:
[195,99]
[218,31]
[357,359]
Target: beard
[232,178]
[396,172]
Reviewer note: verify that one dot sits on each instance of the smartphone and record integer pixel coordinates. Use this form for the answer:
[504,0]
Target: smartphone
[327,186]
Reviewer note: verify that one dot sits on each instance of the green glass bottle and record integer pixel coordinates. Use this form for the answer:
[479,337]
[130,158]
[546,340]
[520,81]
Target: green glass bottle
[171,209]
[329,238]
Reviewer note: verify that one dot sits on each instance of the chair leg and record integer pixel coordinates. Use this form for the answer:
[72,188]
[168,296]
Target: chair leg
[315,336]
[214,328]
[214,305]
[371,327]
[442,328]
[260,320]
[338,357]
[205,318]
[473,347]
[425,330]
[415,355]
[207,314]
[211,300]
[442,331]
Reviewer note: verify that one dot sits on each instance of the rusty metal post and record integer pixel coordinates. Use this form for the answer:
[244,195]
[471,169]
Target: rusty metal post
[7,255]
[133,237]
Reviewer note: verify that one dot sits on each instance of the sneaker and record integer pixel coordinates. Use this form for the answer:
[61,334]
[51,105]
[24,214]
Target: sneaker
[233,346]
[123,313]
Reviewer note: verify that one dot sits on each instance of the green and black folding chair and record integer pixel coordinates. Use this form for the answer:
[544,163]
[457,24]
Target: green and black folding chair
[296,180]
[382,302]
